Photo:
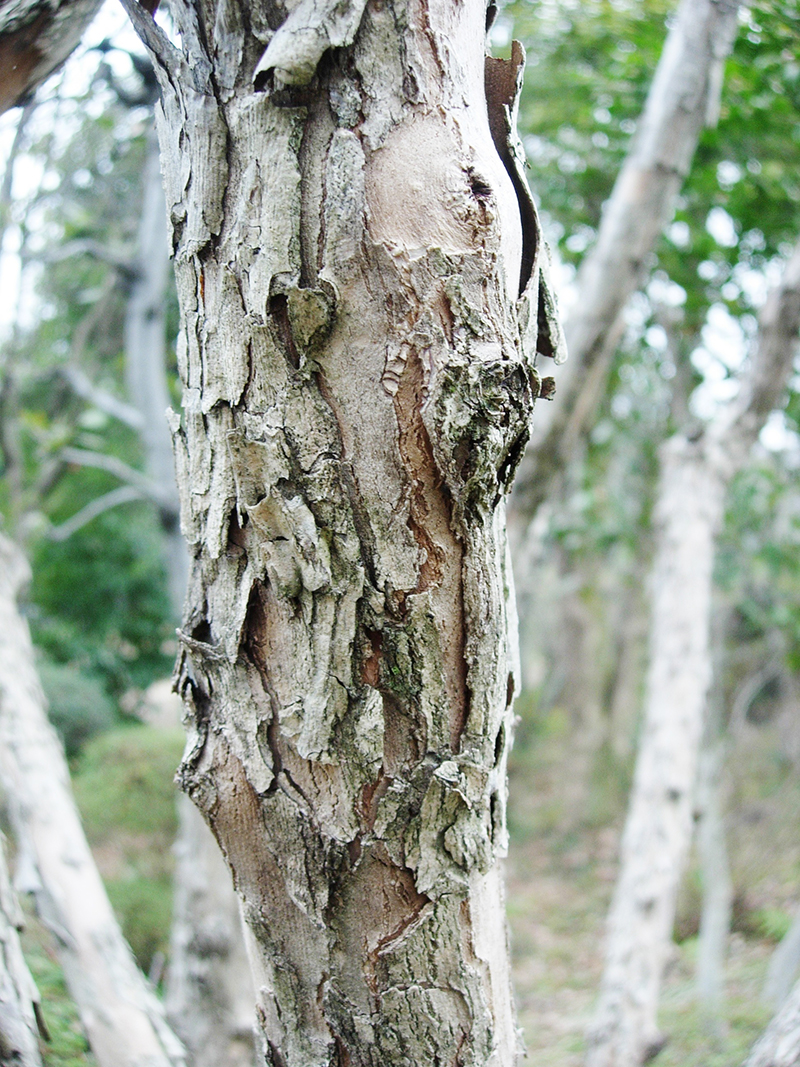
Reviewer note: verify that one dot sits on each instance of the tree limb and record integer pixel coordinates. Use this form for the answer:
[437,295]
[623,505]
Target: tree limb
[123,495]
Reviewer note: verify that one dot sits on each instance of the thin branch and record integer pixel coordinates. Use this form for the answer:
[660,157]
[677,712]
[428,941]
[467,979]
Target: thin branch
[165,56]
[104,401]
[764,382]
[84,458]
[86,247]
[123,495]
[8,173]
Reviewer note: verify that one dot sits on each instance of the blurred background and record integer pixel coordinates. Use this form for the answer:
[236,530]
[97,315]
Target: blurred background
[84,493]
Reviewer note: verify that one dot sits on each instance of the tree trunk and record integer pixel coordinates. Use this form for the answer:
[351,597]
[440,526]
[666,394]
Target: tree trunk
[783,965]
[209,991]
[657,834]
[36,37]
[683,97]
[779,1045]
[350,255]
[145,367]
[715,918]
[658,827]
[209,998]
[19,997]
[124,1021]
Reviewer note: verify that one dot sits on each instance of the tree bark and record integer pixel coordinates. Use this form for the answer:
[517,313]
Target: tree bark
[683,97]
[694,474]
[209,992]
[715,918]
[350,254]
[36,37]
[19,997]
[123,1019]
[779,1045]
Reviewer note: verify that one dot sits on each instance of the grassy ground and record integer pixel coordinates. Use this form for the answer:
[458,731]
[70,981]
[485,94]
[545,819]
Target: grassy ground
[67,1046]
[561,873]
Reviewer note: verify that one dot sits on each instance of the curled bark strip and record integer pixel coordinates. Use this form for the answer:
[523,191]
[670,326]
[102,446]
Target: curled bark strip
[314,26]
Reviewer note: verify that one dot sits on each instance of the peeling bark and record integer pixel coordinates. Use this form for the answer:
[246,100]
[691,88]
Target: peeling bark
[209,994]
[122,1017]
[689,509]
[358,368]
[779,1045]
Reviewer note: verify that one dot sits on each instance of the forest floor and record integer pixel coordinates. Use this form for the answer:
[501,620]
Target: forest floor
[561,872]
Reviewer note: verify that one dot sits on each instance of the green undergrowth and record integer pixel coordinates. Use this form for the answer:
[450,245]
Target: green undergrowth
[67,1046]
[124,788]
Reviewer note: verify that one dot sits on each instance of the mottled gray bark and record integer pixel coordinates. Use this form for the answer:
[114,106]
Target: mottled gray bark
[683,97]
[694,474]
[209,992]
[19,997]
[779,1045]
[358,266]
[123,1020]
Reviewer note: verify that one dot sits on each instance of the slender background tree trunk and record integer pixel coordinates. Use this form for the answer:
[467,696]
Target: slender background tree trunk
[694,475]
[123,1019]
[683,97]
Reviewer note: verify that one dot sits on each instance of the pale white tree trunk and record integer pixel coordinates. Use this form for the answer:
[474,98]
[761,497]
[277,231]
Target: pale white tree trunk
[123,1019]
[779,1045]
[145,367]
[694,474]
[683,97]
[715,917]
[209,996]
[19,997]
[350,248]
[209,991]
[783,965]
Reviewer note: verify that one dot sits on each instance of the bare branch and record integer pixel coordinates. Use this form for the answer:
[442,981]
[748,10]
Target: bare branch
[764,382]
[85,458]
[117,409]
[123,495]
[85,247]
[165,56]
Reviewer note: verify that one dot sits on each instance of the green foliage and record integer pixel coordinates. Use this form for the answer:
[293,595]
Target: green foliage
[126,794]
[79,706]
[100,599]
[124,782]
[772,923]
[144,906]
[67,1046]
